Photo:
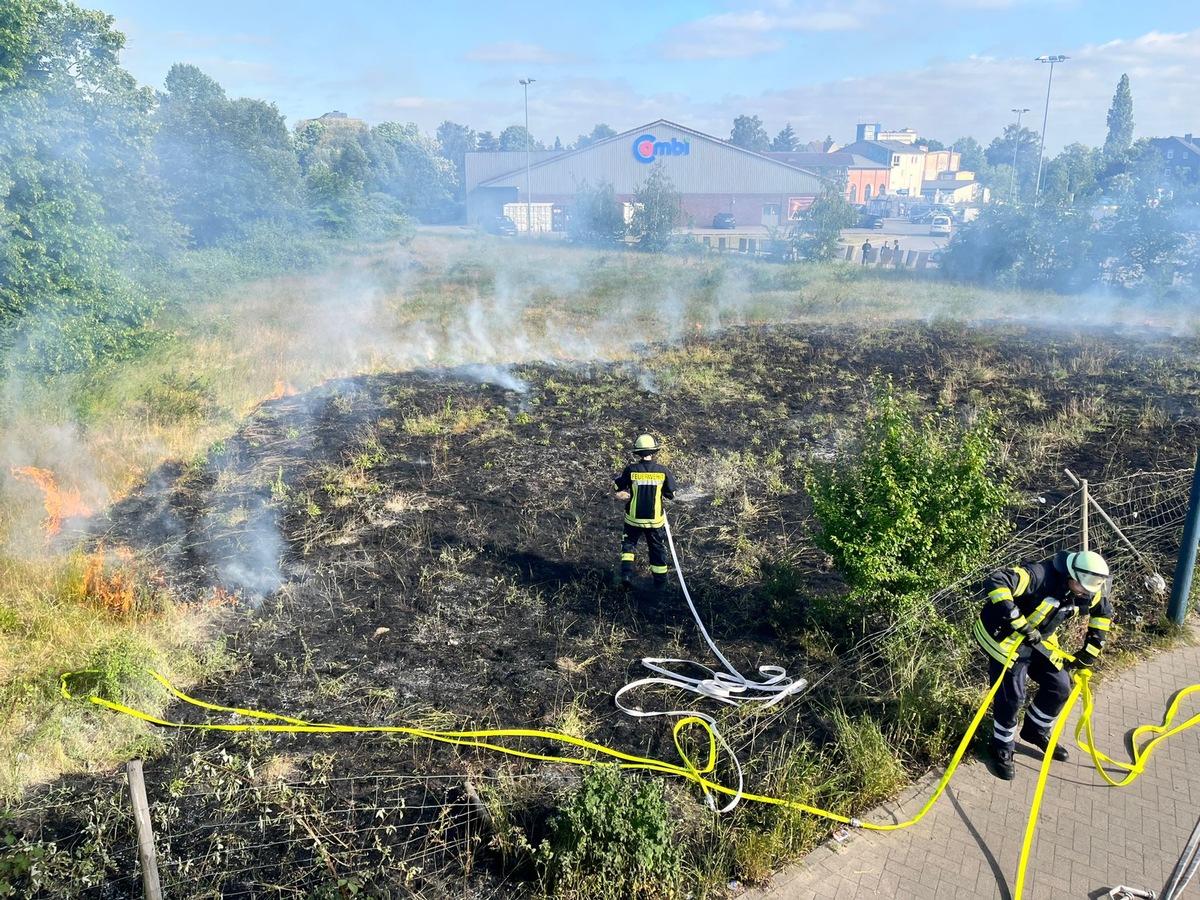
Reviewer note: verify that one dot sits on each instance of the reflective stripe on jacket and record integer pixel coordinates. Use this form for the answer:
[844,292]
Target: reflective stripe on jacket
[1036,595]
[648,483]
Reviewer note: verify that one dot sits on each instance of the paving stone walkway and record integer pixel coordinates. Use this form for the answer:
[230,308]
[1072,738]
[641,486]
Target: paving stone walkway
[1090,837]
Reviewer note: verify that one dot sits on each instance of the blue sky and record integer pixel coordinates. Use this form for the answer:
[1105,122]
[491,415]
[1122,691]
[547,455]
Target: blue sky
[946,68]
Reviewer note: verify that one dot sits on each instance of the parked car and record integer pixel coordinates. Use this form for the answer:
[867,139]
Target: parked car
[724,220]
[923,215]
[870,220]
[940,225]
[498,225]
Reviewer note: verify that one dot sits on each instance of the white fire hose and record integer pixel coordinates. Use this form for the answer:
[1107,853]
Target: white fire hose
[730,686]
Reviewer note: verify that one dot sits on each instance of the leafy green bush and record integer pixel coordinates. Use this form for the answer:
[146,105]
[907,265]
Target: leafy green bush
[914,501]
[613,838]
[116,666]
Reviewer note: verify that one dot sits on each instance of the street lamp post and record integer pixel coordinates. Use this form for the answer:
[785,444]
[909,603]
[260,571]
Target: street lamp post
[525,83]
[1049,81]
[1012,178]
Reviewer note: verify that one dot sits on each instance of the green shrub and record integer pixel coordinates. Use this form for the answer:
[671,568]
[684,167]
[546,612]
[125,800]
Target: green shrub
[613,838]
[116,666]
[913,502]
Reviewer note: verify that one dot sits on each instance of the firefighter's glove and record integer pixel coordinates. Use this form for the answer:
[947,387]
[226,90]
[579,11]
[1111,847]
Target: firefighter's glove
[1074,665]
[1032,635]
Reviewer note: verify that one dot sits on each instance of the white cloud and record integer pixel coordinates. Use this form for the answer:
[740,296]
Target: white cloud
[510,52]
[973,97]
[748,33]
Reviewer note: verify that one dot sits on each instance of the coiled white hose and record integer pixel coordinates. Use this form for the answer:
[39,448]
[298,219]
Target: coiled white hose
[730,686]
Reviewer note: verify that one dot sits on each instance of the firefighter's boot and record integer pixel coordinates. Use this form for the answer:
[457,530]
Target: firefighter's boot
[1031,735]
[1002,761]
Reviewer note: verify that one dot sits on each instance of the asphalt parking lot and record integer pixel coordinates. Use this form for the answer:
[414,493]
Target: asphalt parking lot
[911,237]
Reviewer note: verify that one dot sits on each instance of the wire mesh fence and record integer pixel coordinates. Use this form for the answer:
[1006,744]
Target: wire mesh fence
[251,820]
[237,833]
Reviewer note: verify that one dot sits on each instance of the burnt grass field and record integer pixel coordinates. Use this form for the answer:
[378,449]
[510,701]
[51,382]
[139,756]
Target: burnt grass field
[438,549]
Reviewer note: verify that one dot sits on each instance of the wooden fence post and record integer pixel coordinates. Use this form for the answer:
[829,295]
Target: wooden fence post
[145,831]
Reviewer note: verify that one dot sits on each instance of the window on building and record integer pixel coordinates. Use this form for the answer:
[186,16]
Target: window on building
[770,209]
[896,161]
[854,193]
[867,192]
[1170,154]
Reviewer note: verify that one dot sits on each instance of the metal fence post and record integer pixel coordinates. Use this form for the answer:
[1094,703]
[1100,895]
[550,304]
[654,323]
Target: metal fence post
[1084,486]
[1181,586]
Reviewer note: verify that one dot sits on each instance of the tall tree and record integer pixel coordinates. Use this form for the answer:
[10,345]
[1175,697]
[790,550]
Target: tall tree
[1016,145]
[599,133]
[422,179]
[18,19]
[785,141]
[971,154]
[75,186]
[1120,123]
[228,163]
[487,142]
[816,235]
[515,137]
[454,142]
[749,134]
[657,210]
[1071,175]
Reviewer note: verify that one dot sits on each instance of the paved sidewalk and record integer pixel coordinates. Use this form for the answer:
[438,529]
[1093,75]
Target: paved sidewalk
[1090,837]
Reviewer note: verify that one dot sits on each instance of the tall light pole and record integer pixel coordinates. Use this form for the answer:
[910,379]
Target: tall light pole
[1052,60]
[525,83]
[1012,178]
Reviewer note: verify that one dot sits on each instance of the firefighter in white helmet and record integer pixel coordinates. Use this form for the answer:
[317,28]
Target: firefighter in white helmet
[1024,606]
[643,485]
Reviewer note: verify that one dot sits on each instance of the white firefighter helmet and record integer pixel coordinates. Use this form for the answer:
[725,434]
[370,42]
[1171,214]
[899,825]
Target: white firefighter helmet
[1089,569]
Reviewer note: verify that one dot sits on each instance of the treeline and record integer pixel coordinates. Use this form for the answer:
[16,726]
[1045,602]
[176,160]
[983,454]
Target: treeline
[106,186]
[1119,215]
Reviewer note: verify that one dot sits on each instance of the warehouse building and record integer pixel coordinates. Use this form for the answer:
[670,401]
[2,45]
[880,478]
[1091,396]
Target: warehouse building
[711,176]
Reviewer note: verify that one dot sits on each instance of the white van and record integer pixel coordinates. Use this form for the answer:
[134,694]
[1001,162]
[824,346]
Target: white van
[940,225]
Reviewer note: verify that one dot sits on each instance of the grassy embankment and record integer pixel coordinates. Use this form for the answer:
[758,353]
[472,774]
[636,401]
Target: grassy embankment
[440,301]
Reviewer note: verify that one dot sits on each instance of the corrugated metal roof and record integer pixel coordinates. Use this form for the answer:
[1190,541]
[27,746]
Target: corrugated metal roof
[696,163]
[837,159]
[482,165]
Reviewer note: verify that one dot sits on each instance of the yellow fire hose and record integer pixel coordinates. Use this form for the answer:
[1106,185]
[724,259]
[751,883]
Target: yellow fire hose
[690,769]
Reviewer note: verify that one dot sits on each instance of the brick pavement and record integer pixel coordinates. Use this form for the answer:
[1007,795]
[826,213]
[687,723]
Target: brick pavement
[1090,837]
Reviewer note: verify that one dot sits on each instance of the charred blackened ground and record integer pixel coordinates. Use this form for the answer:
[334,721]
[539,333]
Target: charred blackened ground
[438,549]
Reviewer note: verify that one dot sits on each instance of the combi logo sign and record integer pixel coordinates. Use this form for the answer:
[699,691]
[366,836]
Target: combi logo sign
[647,148]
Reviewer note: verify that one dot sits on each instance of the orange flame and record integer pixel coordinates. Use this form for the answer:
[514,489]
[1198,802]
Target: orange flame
[282,389]
[220,598]
[60,503]
[109,580]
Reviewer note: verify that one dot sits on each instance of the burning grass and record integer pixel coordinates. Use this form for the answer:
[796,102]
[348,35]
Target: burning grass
[60,503]
[443,541]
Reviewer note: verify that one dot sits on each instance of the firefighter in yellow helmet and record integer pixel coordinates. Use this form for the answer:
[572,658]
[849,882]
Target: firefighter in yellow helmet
[1023,608]
[643,485]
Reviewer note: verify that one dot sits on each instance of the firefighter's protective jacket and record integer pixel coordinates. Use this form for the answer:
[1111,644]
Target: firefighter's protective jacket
[648,483]
[1036,595]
